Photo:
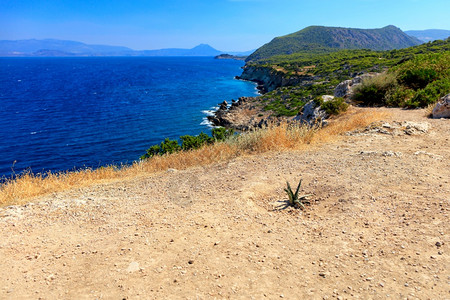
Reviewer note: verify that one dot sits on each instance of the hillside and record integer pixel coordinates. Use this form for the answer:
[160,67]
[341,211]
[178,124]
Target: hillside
[320,39]
[377,227]
[289,82]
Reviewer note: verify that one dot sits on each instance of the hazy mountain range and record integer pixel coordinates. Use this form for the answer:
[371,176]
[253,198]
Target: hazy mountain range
[53,47]
[429,35]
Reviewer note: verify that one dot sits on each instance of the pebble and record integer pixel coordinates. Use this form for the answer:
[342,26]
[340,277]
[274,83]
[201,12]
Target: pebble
[133,267]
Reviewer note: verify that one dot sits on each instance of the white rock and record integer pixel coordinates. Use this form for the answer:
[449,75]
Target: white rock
[133,267]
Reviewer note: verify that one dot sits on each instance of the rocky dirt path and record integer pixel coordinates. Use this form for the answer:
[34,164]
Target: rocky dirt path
[378,228]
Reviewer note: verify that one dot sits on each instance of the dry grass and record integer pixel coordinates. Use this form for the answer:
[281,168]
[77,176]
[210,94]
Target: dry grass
[280,137]
[429,110]
[350,120]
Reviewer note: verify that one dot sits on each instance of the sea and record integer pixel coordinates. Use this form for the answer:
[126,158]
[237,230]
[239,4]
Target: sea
[64,114]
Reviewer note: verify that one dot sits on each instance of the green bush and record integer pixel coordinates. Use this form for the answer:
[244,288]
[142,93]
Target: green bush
[417,78]
[188,142]
[430,94]
[167,146]
[333,107]
[221,133]
[399,96]
[373,91]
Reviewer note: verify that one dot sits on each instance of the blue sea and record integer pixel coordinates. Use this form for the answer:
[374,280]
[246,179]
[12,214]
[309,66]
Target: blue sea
[60,114]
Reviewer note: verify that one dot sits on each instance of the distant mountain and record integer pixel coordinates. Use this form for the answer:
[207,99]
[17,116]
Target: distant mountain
[51,47]
[58,47]
[429,35]
[242,53]
[321,38]
[200,50]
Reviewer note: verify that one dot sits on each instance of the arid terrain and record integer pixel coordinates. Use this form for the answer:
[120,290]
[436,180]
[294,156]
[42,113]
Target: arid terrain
[378,226]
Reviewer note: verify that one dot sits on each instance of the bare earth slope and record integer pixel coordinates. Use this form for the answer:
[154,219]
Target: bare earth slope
[378,227]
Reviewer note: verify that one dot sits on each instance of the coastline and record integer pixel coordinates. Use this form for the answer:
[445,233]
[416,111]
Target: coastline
[109,123]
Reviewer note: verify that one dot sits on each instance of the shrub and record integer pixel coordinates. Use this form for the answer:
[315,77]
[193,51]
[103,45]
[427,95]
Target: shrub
[417,78]
[189,142]
[372,91]
[167,146]
[430,94]
[221,133]
[170,146]
[399,96]
[333,107]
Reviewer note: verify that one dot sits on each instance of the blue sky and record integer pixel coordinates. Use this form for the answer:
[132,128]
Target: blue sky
[235,25]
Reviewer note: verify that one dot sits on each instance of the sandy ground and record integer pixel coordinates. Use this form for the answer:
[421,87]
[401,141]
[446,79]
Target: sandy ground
[378,228]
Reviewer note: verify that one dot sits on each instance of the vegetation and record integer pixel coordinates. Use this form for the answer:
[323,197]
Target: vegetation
[374,90]
[189,142]
[333,107]
[294,199]
[320,39]
[419,82]
[24,187]
[416,76]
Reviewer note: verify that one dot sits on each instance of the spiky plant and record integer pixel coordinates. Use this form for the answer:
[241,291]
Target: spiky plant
[294,199]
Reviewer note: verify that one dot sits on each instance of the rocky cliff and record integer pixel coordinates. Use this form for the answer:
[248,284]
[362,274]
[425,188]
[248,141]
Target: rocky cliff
[268,79]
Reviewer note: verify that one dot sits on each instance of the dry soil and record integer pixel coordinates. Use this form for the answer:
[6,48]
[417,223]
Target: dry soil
[377,227]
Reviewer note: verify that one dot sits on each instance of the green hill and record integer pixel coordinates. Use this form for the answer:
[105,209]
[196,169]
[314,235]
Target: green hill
[321,39]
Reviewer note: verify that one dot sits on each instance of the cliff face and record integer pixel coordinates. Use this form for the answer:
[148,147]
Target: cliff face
[269,79]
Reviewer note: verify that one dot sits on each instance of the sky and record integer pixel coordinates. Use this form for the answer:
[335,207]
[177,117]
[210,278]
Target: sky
[227,25]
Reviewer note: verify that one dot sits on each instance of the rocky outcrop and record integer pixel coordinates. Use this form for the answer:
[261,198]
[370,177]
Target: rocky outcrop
[269,79]
[313,114]
[394,128]
[346,88]
[442,108]
[228,56]
[242,115]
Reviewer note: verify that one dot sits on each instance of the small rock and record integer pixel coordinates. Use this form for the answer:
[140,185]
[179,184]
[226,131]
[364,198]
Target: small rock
[133,267]
[190,262]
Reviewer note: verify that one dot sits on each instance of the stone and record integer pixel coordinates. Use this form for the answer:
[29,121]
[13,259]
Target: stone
[133,267]
[223,105]
[312,113]
[442,108]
